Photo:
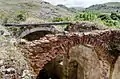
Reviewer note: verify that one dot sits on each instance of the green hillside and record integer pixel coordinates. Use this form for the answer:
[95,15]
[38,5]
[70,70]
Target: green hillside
[105,8]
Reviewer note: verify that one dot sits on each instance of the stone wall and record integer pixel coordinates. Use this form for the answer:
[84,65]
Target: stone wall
[89,66]
[40,52]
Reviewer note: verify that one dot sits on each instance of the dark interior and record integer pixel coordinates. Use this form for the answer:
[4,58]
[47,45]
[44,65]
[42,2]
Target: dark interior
[36,35]
[52,70]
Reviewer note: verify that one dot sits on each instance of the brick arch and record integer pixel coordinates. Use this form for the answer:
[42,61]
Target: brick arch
[48,47]
[32,30]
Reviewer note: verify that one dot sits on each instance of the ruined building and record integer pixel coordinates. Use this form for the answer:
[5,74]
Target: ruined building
[81,53]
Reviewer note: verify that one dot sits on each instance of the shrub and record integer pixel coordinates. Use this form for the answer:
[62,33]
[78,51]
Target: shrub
[104,17]
[114,16]
[87,16]
[57,19]
[20,16]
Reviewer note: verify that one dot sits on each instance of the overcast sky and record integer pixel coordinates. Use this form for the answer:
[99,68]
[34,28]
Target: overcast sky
[79,3]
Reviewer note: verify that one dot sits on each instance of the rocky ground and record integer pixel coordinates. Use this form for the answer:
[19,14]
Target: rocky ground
[13,64]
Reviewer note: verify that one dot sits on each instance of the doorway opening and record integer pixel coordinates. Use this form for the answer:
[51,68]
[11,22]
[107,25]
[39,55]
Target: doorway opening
[52,70]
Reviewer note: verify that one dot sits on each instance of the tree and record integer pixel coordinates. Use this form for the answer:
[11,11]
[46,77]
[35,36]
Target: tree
[104,17]
[114,16]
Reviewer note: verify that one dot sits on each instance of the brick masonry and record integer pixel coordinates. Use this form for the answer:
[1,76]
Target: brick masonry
[40,52]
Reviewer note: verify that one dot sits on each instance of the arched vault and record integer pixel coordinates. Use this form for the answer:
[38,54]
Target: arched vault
[104,42]
[34,30]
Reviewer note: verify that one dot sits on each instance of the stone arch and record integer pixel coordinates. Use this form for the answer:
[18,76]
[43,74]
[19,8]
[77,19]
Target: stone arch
[37,32]
[44,50]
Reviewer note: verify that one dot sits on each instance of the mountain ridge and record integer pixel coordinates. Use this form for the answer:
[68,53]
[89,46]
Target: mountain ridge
[105,7]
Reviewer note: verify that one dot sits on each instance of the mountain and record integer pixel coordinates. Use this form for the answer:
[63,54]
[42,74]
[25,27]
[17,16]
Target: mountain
[106,7]
[71,9]
[34,8]
[78,8]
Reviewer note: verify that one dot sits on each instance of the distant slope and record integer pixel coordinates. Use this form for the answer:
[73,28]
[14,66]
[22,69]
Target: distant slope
[71,9]
[35,8]
[113,3]
[79,8]
[106,7]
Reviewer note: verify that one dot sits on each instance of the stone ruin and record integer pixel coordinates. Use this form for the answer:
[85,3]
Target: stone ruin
[90,55]
[83,52]
[76,55]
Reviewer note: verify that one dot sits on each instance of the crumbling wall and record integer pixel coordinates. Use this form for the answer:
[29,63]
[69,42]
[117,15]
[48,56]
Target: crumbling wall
[47,48]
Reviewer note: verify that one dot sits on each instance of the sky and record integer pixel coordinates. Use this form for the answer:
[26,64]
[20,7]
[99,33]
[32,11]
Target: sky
[79,3]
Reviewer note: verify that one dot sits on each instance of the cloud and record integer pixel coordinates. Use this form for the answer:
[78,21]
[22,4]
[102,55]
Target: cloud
[79,3]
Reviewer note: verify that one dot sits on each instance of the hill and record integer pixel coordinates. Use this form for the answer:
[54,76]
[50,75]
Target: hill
[30,8]
[105,8]
[79,8]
